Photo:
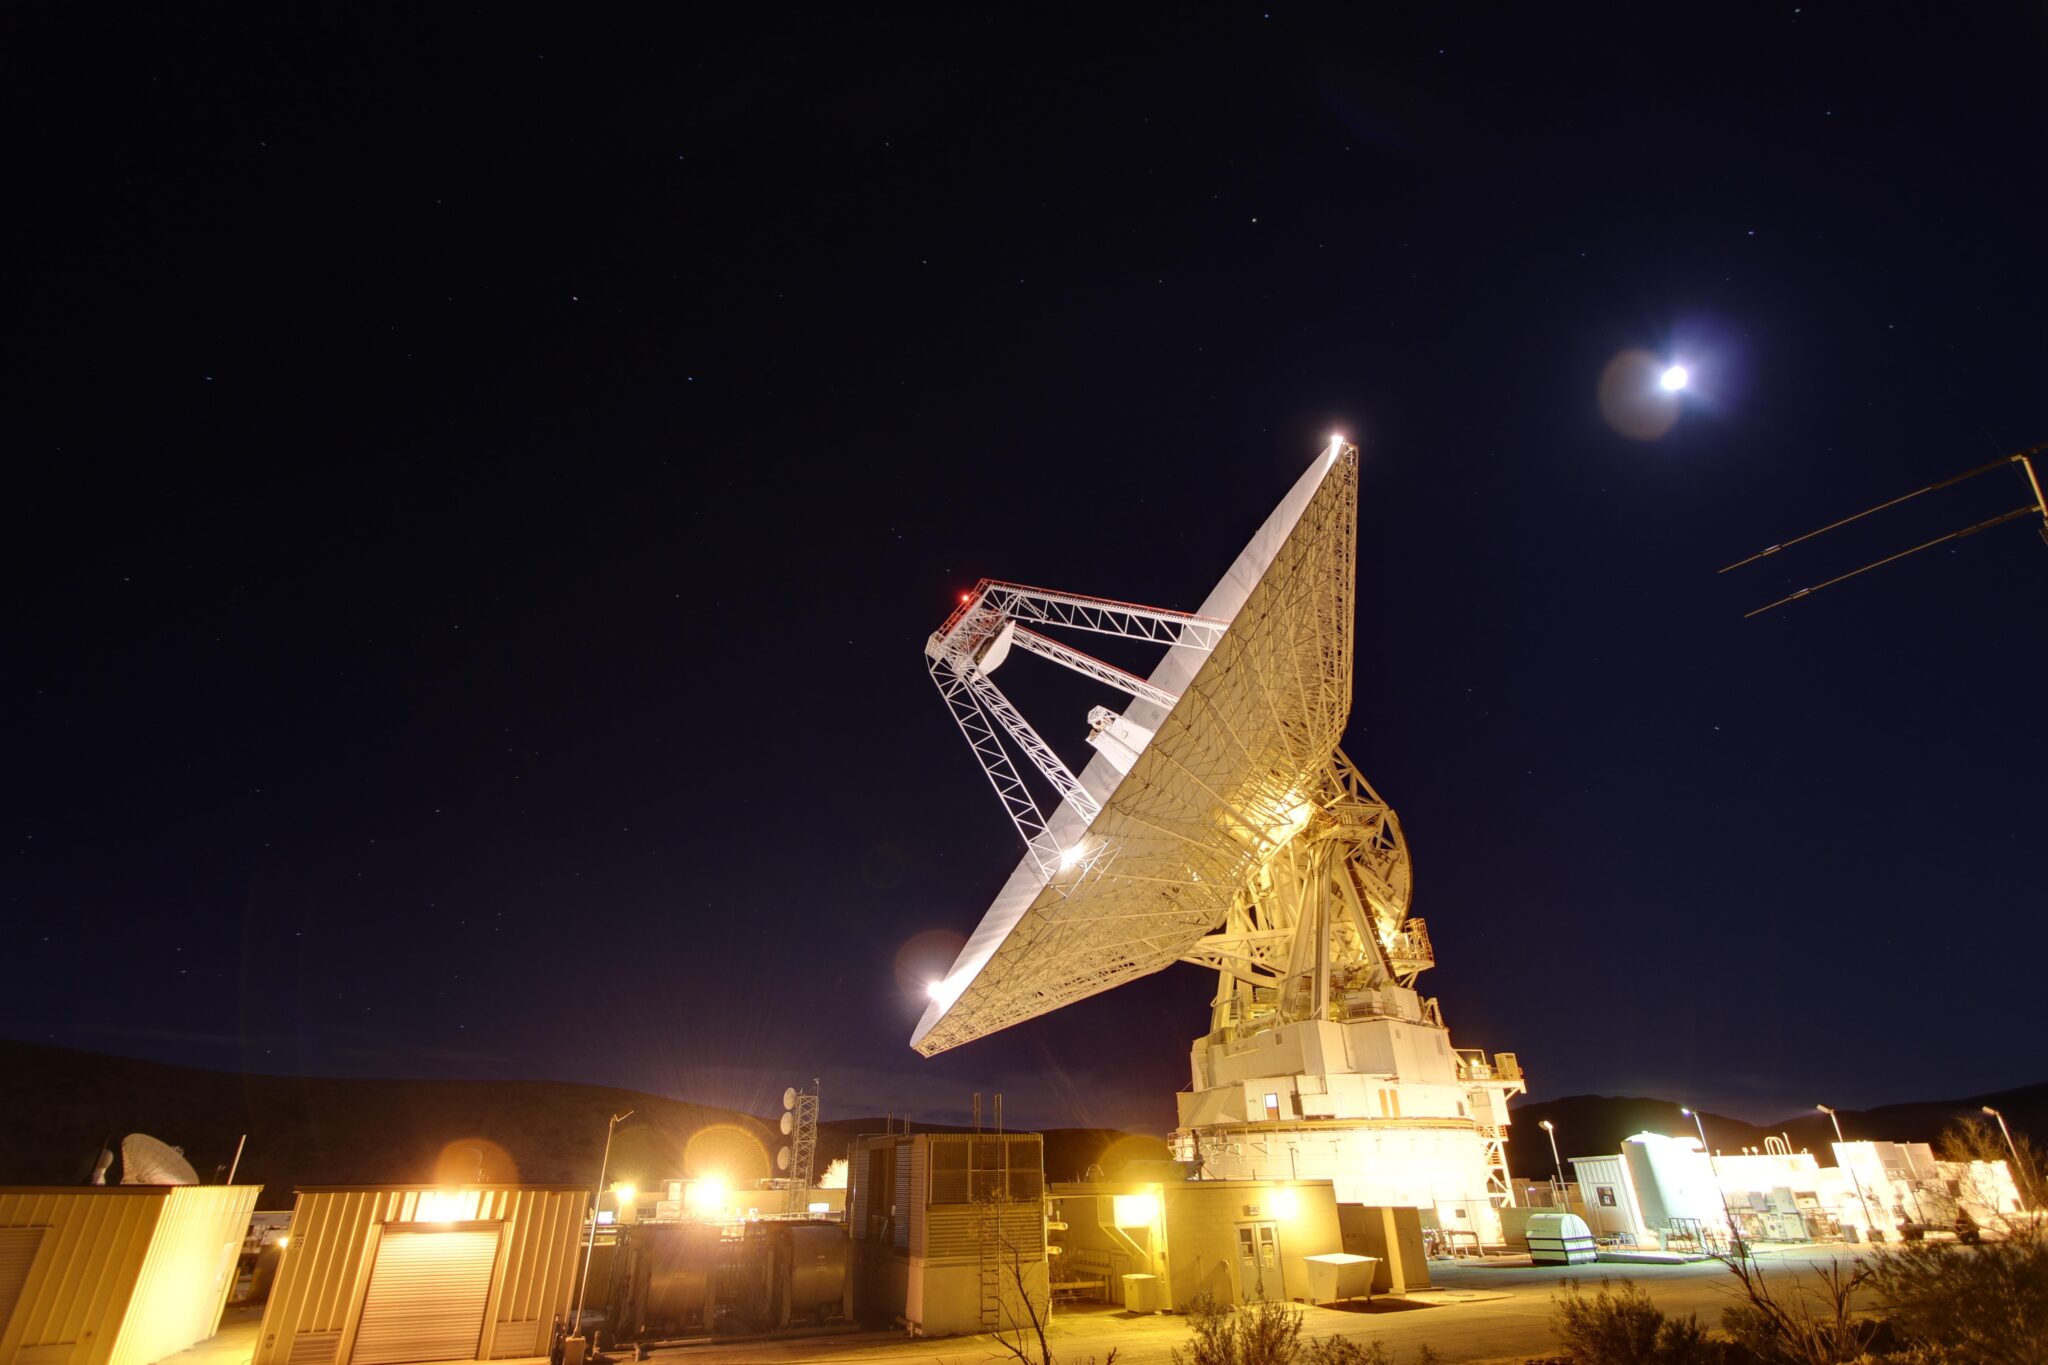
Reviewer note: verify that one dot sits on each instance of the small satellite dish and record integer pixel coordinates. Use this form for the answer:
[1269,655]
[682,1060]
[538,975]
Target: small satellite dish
[788,1123]
[782,1159]
[789,1100]
[147,1161]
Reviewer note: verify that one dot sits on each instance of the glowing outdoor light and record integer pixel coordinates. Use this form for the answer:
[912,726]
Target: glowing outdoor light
[1133,1210]
[1285,1203]
[706,1195]
[442,1206]
[1674,378]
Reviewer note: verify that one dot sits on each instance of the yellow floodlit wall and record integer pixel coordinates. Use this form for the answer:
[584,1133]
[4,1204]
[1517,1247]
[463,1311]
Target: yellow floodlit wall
[122,1274]
[316,1302]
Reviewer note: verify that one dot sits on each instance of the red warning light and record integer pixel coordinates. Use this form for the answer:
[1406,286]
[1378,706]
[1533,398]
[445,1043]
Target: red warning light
[966,597]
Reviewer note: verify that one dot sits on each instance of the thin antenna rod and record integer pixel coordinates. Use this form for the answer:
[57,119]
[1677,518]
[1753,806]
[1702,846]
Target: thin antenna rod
[1889,559]
[1908,497]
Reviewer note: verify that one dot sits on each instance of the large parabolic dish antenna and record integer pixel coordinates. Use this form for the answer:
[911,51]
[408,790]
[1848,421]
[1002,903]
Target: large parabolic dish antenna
[1211,769]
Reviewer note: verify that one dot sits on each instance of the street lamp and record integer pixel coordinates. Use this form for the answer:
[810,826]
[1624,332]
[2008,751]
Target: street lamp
[2018,1165]
[1556,1164]
[1735,1237]
[1869,1223]
[591,1246]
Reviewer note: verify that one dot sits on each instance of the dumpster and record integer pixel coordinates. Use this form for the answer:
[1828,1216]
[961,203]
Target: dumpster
[1339,1275]
[1141,1293]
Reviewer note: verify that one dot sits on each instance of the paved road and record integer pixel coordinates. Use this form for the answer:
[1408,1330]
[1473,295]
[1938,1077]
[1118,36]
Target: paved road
[1507,1319]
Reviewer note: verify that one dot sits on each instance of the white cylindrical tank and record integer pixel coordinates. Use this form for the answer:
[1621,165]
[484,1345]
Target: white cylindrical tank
[1673,1180]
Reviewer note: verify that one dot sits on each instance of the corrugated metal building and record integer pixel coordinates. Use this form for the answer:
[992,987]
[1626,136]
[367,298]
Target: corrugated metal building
[116,1274]
[381,1275]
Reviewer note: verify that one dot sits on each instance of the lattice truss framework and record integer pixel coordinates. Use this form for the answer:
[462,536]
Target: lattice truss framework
[1324,920]
[1243,760]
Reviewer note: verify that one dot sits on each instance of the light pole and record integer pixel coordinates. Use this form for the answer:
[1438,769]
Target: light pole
[2020,1166]
[1735,1237]
[591,1245]
[1869,1223]
[1556,1164]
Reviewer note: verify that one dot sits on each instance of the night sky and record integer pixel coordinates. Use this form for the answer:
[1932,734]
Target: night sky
[477,489]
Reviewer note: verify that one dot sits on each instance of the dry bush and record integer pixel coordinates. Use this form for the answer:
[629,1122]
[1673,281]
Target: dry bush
[1969,1305]
[1263,1333]
[1259,1333]
[1798,1324]
[1618,1325]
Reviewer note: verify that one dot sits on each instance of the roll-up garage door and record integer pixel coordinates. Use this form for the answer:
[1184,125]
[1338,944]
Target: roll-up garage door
[427,1293]
[18,1248]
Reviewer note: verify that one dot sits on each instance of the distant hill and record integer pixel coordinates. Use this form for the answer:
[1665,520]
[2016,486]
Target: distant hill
[63,1103]
[1588,1125]
[329,1131]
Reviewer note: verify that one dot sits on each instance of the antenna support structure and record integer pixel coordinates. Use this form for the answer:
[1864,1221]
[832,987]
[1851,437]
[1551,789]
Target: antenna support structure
[1219,823]
[798,1157]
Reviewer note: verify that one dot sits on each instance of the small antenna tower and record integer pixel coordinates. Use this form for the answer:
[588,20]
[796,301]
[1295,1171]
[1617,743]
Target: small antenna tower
[800,1126]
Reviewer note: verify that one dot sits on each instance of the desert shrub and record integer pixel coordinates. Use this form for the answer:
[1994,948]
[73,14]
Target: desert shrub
[1969,1305]
[1618,1325]
[1259,1333]
[1262,1333]
[1344,1351]
[1797,1324]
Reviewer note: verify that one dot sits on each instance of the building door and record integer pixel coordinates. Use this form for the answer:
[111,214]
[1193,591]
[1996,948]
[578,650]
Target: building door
[1259,1275]
[426,1296]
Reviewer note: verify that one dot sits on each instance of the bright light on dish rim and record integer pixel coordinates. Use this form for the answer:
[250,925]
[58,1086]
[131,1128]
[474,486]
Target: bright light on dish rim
[1674,378]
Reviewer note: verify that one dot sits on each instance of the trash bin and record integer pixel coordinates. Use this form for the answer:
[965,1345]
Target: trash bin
[1339,1275]
[1141,1293]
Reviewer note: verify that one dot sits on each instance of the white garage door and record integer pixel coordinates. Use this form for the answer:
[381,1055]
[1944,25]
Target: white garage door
[426,1299]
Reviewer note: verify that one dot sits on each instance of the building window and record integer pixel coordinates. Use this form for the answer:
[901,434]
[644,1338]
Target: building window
[1606,1196]
[1273,1105]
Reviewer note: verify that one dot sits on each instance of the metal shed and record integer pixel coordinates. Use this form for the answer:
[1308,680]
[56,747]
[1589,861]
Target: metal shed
[115,1274]
[380,1275]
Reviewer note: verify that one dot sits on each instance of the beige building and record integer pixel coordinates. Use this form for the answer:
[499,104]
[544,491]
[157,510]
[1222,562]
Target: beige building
[116,1274]
[390,1274]
[1234,1240]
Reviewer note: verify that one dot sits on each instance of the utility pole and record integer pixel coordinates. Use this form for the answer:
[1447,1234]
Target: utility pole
[2018,1165]
[1734,1234]
[1556,1164]
[577,1343]
[1869,1223]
